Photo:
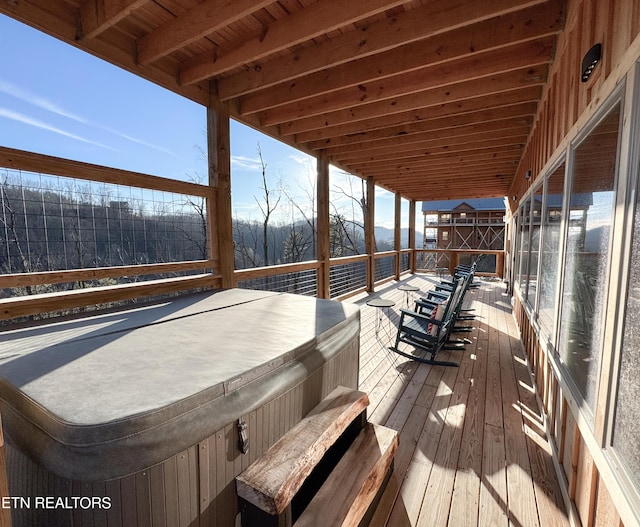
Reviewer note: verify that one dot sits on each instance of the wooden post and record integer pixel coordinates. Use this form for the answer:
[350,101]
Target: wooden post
[220,222]
[396,233]
[453,262]
[322,225]
[500,265]
[412,235]
[369,235]
[5,513]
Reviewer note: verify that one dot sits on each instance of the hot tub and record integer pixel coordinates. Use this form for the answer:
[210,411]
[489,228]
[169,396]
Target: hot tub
[134,417]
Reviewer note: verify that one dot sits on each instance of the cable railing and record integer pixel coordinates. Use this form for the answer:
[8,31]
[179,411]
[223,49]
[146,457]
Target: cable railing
[384,266]
[299,278]
[347,275]
[491,263]
[74,234]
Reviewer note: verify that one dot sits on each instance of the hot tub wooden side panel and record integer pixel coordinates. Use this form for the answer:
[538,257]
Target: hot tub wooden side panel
[195,487]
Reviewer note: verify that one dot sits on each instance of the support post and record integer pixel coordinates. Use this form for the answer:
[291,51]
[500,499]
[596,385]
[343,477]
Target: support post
[369,234]
[5,513]
[396,233]
[219,219]
[322,225]
[412,235]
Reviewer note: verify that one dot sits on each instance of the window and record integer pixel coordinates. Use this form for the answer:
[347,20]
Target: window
[445,236]
[523,257]
[532,278]
[591,209]
[626,433]
[550,247]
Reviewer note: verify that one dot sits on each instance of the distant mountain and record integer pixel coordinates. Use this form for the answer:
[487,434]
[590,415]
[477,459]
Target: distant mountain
[385,236]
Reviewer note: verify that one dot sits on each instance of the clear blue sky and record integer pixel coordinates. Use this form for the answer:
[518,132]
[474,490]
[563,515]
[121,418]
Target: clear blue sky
[57,100]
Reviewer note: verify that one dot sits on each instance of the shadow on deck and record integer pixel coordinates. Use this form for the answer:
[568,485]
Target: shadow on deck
[472,445]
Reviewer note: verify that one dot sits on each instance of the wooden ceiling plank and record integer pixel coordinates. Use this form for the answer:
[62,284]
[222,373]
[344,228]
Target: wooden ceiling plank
[402,168]
[436,145]
[464,42]
[528,94]
[201,20]
[442,123]
[487,86]
[312,21]
[62,23]
[459,147]
[484,64]
[97,16]
[510,161]
[469,130]
[416,24]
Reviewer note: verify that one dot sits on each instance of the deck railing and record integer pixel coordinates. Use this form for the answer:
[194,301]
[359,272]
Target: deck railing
[491,263]
[74,234]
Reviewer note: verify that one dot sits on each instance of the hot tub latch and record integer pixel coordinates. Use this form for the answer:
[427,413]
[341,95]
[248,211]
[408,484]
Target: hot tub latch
[243,437]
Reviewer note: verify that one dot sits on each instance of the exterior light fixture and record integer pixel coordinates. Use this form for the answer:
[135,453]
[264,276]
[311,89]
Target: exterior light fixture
[527,175]
[590,60]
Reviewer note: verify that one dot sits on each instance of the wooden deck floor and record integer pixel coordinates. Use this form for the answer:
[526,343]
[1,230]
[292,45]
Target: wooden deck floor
[472,447]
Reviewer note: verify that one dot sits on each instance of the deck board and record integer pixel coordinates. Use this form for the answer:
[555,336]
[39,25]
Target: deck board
[472,447]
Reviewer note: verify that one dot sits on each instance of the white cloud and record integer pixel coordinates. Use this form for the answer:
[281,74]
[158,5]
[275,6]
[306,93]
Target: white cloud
[246,163]
[25,119]
[45,104]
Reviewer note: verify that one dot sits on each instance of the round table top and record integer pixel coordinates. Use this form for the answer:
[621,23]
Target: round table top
[407,287]
[380,302]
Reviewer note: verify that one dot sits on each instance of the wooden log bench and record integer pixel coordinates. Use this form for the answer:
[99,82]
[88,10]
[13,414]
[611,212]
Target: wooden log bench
[329,469]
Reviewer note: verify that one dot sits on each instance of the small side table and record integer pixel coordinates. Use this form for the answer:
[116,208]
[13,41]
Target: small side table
[383,305]
[408,290]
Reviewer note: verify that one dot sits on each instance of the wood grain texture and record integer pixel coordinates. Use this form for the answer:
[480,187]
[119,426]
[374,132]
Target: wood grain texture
[271,482]
[352,486]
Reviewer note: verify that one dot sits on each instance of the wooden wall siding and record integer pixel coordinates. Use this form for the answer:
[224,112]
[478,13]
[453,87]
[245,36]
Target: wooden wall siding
[566,106]
[591,502]
[566,101]
[194,488]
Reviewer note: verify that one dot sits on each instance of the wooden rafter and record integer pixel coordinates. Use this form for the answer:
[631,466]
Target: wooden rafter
[200,21]
[373,38]
[305,24]
[469,41]
[97,16]
[437,93]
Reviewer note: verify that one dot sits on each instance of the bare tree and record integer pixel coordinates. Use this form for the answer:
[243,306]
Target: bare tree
[347,231]
[271,200]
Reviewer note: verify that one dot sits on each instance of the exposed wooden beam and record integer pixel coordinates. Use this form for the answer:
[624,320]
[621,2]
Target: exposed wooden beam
[63,24]
[496,100]
[397,221]
[448,144]
[323,227]
[404,177]
[369,233]
[473,129]
[460,149]
[201,20]
[429,164]
[442,123]
[434,18]
[488,35]
[412,234]
[487,86]
[485,64]
[304,24]
[219,150]
[97,16]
